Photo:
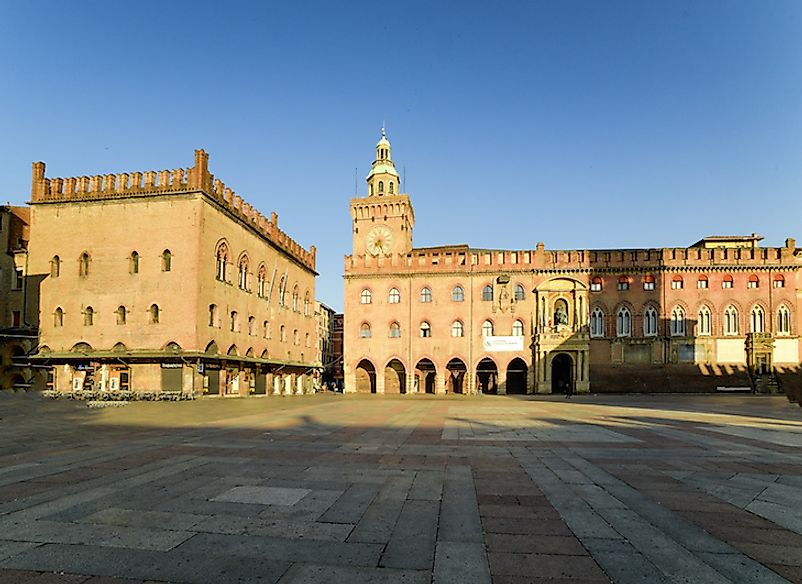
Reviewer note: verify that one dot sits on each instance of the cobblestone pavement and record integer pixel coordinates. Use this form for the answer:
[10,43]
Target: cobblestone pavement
[411,490]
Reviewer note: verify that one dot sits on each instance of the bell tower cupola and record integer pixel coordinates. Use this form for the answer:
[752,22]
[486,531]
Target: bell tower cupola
[383,177]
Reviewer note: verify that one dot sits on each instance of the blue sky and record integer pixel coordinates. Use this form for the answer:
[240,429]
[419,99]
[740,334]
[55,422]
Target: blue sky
[582,124]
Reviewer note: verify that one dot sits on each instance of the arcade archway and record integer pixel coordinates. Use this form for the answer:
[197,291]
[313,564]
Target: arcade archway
[487,376]
[516,376]
[562,374]
[425,375]
[455,380]
[365,374]
[395,377]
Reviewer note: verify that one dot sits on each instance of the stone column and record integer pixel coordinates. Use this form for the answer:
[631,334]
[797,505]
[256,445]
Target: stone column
[278,383]
[530,380]
[268,383]
[439,383]
[379,381]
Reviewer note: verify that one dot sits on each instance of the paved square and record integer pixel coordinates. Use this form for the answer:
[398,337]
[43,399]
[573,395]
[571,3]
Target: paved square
[402,489]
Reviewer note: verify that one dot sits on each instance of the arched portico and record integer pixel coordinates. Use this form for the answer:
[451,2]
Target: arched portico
[562,373]
[365,374]
[487,376]
[517,371]
[425,376]
[395,377]
[456,377]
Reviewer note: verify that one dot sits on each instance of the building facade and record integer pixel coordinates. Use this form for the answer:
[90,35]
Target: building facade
[19,308]
[168,282]
[721,313]
[325,347]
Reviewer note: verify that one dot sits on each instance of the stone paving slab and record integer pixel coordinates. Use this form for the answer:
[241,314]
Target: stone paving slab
[406,489]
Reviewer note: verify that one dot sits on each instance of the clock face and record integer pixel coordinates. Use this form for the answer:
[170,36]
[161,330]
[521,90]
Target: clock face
[379,241]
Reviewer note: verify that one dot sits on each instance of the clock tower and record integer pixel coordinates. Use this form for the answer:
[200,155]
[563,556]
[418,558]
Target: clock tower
[383,220]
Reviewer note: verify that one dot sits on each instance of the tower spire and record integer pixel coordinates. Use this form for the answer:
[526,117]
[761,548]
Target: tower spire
[383,177]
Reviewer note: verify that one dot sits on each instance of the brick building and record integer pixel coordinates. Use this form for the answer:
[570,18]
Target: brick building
[168,282]
[722,312]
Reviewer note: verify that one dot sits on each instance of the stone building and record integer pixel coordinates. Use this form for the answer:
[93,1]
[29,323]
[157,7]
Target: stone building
[19,306]
[168,282]
[325,348]
[721,313]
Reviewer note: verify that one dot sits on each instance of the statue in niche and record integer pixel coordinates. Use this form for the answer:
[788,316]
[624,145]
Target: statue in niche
[560,313]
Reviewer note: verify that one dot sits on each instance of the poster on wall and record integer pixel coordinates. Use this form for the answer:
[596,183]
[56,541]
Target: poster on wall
[501,344]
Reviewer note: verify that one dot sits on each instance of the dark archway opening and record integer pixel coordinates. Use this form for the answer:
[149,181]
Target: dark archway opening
[487,376]
[562,374]
[455,383]
[395,377]
[365,377]
[516,376]
[425,375]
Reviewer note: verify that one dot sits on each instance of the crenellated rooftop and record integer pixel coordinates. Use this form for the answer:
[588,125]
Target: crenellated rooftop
[152,183]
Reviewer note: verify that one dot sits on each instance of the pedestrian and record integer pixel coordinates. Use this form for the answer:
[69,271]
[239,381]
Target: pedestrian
[569,389]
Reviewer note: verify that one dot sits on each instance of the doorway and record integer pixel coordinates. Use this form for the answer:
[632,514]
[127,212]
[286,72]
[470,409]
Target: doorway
[562,373]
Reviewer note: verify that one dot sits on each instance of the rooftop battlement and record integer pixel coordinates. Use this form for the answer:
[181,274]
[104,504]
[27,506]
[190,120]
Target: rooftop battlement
[152,183]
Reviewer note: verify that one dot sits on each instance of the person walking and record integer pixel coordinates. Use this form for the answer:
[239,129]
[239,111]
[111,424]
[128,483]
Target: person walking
[569,389]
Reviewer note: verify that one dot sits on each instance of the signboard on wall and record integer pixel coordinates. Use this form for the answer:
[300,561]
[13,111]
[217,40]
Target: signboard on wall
[502,344]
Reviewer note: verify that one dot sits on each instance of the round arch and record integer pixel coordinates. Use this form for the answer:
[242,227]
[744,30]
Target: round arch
[517,371]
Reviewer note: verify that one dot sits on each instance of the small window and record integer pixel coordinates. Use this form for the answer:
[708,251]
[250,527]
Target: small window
[282,292]
[221,257]
[677,322]
[779,281]
[58,317]
[519,292]
[487,329]
[381,187]
[121,315]
[251,325]
[55,267]
[702,282]
[242,273]
[364,331]
[213,317]
[307,342]
[133,265]
[623,322]
[596,284]
[89,316]
[391,187]
[487,293]
[650,322]
[295,299]
[261,282]
[154,314]
[307,305]
[16,318]
[623,283]
[167,260]
[727,282]
[517,329]
[395,330]
[425,329]
[365,297]
[394,297]
[705,318]
[457,329]
[457,294]
[266,329]
[282,333]
[676,282]
[18,279]
[596,323]
[425,295]
[296,339]
[753,282]
[648,282]
[83,264]
[233,321]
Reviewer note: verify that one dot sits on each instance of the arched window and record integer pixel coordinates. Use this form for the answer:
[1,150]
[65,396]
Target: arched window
[365,297]
[727,282]
[705,318]
[457,329]
[282,334]
[457,294]
[391,187]
[83,264]
[648,282]
[58,317]
[623,283]
[233,321]
[306,343]
[517,329]
[89,316]
[295,299]
[596,284]
[519,292]
[282,291]
[167,260]
[154,314]
[677,322]
[425,295]
[371,188]
[623,322]
[222,259]
[307,305]
[487,329]
[753,282]
[133,263]
[121,315]
[296,339]
[364,331]
[757,320]
[55,267]
[261,282]
[597,323]
[251,325]
[487,293]
[394,297]
[242,271]
[677,282]
[779,280]
[395,330]
[425,329]
[214,318]
[266,329]
[731,321]
[381,187]
[783,320]
[650,322]
[702,282]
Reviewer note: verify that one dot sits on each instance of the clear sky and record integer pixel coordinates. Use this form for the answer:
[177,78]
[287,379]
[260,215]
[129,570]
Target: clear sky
[582,124]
